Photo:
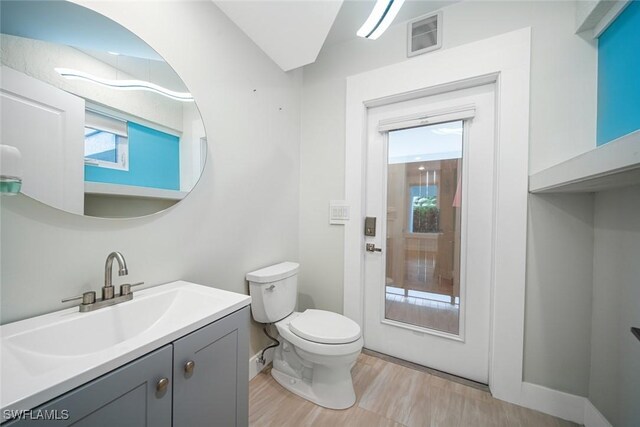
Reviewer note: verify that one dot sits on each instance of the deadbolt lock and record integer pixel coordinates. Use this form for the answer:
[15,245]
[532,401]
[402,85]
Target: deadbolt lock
[370,226]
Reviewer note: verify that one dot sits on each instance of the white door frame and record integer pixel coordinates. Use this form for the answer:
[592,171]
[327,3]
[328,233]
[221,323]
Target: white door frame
[505,61]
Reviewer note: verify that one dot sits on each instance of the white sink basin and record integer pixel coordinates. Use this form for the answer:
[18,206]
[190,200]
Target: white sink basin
[45,356]
[95,331]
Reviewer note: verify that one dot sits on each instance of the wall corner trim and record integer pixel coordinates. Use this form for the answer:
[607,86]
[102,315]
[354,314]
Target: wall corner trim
[563,405]
[553,402]
[593,417]
[255,368]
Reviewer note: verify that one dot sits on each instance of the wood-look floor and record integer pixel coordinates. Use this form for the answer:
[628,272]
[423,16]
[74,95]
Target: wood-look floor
[392,395]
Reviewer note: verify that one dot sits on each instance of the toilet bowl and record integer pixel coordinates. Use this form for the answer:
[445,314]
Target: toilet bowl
[317,348]
[317,365]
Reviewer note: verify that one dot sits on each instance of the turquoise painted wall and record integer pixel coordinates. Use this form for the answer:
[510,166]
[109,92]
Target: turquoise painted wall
[154,161]
[619,76]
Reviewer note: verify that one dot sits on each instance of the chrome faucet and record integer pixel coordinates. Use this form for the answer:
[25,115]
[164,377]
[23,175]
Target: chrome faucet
[107,290]
[89,302]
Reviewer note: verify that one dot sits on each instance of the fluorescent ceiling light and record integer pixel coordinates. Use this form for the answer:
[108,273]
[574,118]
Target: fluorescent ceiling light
[382,15]
[125,84]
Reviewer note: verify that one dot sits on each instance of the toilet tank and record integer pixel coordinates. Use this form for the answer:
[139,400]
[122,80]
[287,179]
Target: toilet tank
[273,291]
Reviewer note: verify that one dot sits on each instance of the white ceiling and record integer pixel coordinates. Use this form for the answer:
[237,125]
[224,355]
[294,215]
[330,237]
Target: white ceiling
[66,23]
[158,72]
[290,32]
[354,12]
[70,24]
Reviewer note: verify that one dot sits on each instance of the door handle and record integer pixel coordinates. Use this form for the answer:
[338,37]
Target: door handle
[371,247]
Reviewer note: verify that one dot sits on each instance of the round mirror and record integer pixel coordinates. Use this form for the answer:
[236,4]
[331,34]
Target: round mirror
[104,126]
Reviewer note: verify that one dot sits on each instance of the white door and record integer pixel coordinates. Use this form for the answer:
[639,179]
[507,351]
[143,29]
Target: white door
[430,185]
[47,125]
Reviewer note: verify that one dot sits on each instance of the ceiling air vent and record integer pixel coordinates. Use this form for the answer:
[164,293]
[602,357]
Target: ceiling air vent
[424,34]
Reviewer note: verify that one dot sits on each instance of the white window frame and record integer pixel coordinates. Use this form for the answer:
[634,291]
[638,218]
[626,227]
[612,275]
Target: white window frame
[116,126]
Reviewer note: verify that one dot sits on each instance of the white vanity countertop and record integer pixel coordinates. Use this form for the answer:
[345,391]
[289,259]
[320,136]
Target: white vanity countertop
[46,356]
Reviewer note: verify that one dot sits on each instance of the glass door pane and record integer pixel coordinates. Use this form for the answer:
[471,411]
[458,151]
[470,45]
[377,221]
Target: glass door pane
[424,196]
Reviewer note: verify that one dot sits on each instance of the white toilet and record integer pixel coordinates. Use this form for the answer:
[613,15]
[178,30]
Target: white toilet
[317,348]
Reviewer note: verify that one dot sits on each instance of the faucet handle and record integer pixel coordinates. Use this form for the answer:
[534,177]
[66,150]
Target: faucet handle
[88,297]
[126,288]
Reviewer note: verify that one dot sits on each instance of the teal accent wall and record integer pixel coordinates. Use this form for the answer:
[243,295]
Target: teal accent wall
[107,156]
[154,161]
[619,76]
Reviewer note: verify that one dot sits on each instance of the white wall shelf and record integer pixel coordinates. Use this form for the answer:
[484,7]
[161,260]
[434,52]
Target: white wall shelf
[613,165]
[594,17]
[132,191]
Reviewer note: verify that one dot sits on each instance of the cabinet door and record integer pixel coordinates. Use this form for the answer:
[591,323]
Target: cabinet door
[126,397]
[215,392]
[47,125]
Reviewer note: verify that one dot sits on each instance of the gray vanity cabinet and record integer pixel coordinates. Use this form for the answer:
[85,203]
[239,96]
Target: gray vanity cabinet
[210,372]
[126,397]
[212,390]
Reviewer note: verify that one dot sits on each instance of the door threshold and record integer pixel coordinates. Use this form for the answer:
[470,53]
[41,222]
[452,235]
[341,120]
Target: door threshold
[434,372]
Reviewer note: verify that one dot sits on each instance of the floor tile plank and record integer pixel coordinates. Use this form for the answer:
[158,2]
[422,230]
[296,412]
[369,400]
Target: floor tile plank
[392,395]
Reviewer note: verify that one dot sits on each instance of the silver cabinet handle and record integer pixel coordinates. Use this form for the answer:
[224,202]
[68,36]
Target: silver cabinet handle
[371,247]
[162,385]
[188,367]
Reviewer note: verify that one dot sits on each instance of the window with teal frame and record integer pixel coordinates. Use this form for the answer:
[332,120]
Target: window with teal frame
[106,143]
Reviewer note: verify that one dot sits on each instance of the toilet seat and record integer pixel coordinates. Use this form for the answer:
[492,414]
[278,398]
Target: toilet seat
[325,327]
[285,331]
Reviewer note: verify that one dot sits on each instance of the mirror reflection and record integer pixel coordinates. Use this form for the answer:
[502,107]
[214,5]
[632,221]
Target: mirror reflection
[104,125]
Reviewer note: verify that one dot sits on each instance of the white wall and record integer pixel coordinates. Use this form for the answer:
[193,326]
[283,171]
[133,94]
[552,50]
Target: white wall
[39,59]
[558,295]
[615,359]
[243,214]
[562,124]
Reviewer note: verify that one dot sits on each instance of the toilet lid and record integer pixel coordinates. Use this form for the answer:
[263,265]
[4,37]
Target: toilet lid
[325,327]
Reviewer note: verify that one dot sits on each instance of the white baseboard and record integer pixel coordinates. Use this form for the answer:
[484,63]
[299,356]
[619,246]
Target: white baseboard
[593,417]
[255,367]
[553,402]
[563,405]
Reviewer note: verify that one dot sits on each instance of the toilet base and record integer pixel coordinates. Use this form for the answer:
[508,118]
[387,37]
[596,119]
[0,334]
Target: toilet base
[342,396]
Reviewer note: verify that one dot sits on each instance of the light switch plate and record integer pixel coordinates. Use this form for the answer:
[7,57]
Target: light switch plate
[338,212]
